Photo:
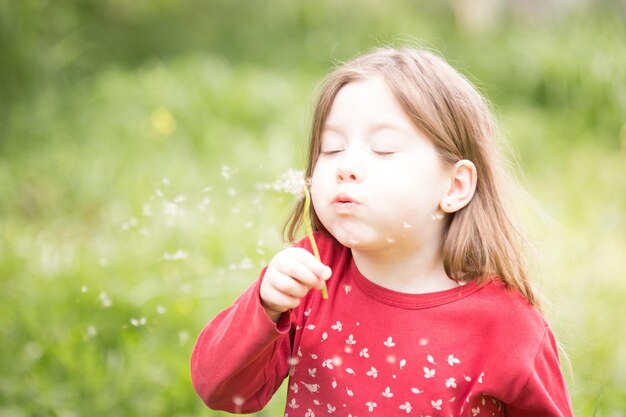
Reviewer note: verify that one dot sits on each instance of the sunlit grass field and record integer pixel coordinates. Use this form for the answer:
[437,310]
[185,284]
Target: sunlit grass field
[134,206]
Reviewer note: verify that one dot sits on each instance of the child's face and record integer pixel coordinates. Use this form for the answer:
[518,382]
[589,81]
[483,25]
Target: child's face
[378,180]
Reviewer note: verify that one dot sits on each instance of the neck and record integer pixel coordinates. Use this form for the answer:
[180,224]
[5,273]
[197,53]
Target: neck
[414,272]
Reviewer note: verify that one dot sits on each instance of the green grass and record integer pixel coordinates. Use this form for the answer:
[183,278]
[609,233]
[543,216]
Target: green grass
[109,174]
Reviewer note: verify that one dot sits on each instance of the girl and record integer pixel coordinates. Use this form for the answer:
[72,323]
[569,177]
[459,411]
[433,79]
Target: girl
[429,309]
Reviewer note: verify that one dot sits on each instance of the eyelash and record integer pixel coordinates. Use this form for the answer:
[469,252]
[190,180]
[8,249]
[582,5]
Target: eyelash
[384,154]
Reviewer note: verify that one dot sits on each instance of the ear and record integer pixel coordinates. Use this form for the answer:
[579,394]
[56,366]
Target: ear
[463,178]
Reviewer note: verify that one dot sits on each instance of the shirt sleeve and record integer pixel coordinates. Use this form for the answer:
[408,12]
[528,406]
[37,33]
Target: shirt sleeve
[545,393]
[241,357]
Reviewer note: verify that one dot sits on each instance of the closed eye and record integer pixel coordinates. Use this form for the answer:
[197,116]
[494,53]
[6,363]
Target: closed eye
[330,151]
[384,154]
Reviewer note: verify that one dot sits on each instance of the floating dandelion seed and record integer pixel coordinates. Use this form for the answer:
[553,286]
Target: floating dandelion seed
[103,262]
[245,263]
[172,209]
[129,224]
[204,204]
[147,210]
[91,331]
[138,322]
[84,289]
[104,298]
[176,256]
[226,172]
[166,181]
[207,189]
[160,309]
[183,337]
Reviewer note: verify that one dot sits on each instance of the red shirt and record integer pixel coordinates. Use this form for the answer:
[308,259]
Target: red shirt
[369,351]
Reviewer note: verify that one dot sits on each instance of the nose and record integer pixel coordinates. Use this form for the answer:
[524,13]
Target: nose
[349,169]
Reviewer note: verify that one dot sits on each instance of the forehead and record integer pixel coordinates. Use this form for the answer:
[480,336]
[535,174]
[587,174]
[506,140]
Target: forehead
[366,102]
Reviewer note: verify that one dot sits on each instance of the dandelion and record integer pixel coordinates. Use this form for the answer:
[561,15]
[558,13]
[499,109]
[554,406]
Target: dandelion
[83,289]
[309,231]
[160,309]
[292,182]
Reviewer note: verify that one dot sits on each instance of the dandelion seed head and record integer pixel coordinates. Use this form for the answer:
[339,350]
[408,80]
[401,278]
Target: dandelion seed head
[291,181]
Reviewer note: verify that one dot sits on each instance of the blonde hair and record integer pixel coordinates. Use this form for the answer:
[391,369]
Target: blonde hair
[479,241]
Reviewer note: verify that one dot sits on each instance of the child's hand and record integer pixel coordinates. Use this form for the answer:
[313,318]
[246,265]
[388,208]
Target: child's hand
[289,276]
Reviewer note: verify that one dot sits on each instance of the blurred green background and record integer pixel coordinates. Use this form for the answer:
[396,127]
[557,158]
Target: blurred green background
[137,140]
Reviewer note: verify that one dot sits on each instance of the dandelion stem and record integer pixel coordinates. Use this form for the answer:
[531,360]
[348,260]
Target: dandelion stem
[309,231]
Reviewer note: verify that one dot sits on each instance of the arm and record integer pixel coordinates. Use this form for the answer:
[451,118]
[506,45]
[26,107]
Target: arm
[545,393]
[240,357]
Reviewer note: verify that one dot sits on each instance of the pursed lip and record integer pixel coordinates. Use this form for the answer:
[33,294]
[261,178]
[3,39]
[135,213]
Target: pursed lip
[344,203]
[343,198]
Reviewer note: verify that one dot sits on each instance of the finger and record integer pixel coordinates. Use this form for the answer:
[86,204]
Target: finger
[279,301]
[296,269]
[289,285]
[312,263]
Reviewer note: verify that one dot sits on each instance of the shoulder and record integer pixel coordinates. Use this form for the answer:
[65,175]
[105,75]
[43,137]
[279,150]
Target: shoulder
[508,315]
